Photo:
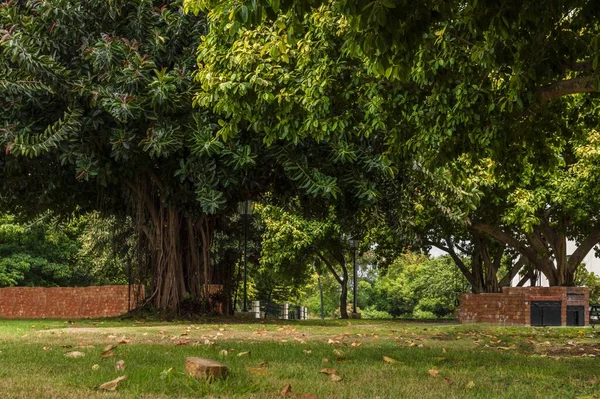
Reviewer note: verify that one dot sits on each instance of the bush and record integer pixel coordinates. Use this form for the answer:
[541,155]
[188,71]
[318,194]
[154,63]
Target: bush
[423,314]
[372,313]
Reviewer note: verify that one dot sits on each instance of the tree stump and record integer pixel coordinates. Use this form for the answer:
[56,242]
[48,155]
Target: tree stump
[205,369]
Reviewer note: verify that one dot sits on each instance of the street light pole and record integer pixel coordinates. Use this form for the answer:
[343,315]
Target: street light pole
[355,285]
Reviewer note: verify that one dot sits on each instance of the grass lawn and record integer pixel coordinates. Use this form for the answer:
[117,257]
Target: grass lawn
[431,360]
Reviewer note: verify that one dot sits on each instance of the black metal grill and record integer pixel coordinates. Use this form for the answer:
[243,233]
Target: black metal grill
[546,313]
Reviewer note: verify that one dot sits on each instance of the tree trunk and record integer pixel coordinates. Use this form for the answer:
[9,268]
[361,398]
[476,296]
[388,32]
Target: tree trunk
[175,251]
[344,299]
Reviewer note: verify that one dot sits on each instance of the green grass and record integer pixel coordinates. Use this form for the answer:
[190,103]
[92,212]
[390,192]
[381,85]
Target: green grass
[472,361]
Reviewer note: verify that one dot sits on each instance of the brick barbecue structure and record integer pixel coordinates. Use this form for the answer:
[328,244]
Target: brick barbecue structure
[527,306]
[65,302]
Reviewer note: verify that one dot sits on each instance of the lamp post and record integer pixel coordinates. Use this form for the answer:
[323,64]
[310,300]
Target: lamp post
[354,246]
[246,209]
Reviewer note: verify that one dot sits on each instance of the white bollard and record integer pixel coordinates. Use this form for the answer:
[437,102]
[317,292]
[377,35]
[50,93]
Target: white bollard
[256,309]
[304,313]
[286,311]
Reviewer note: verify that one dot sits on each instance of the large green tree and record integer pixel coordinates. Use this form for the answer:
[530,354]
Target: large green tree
[491,98]
[96,114]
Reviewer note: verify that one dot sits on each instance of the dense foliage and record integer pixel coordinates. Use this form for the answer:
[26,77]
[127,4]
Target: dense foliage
[48,252]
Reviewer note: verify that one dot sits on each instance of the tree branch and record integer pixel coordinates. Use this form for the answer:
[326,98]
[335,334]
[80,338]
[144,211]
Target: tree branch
[330,267]
[514,269]
[582,250]
[567,87]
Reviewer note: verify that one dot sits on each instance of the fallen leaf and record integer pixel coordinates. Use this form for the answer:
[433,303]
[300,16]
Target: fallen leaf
[47,348]
[243,354]
[420,346]
[444,350]
[224,352]
[356,344]
[96,367]
[506,348]
[112,385]
[107,354]
[335,377]
[286,390]
[338,352]
[433,372]
[470,385]
[75,354]
[325,360]
[307,352]
[263,364]
[123,340]
[447,380]
[108,348]
[328,371]
[120,365]
[389,360]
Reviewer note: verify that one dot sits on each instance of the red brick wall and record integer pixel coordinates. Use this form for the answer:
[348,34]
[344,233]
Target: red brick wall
[499,309]
[513,305]
[63,302]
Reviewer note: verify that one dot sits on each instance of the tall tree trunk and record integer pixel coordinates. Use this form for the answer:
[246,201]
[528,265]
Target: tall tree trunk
[344,292]
[175,248]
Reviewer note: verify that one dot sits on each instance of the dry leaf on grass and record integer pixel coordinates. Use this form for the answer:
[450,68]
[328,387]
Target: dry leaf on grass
[244,354]
[263,364]
[75,354]
[356,344]
[307,352]
[112,385]
[47,348]
[120,365]
[96,367]
[470,385]
[328,371]
[224,352]
[338,352]
[286,390]
[433,372]
[325,360]
[444,350]
[123,340]
[447,380]
[335,377]
[109,348]
[107,354]
[389,360]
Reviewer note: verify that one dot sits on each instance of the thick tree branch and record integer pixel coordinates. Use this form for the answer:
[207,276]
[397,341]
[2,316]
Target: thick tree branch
[567,87]
[458,261]
[514,269]
[582,250]
[529,253]
[330,267]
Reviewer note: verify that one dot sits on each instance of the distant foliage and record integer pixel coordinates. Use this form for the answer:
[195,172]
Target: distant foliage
[48,252]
